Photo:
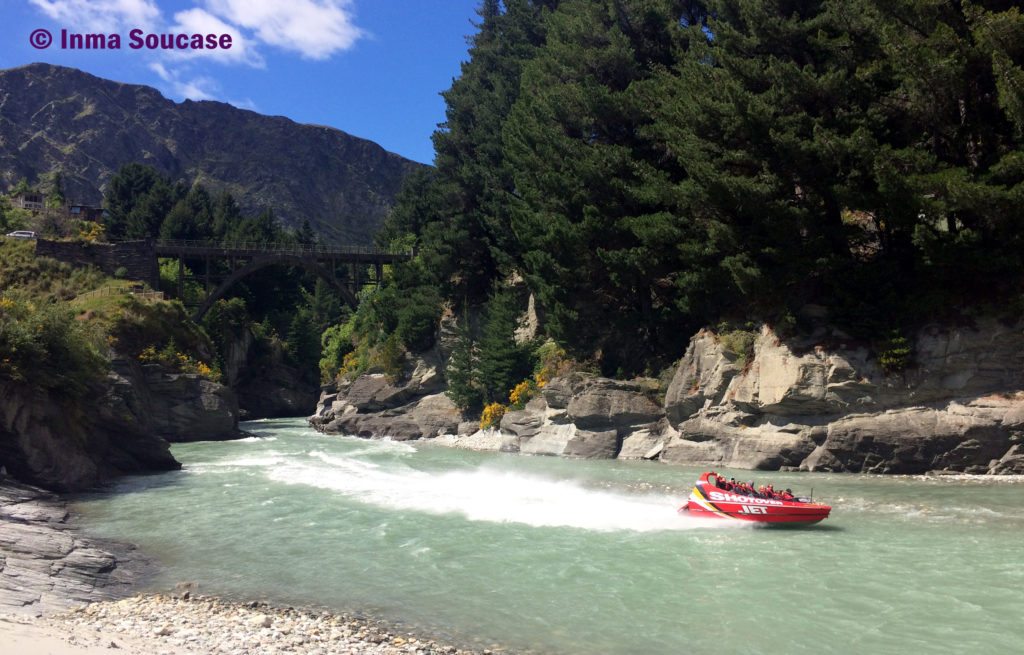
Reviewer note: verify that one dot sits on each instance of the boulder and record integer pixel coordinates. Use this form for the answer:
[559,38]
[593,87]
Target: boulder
[374,405]
[605,404]
[645,443]
[549,440]
[66,443]
[436,414]
[592,445]
[910,440]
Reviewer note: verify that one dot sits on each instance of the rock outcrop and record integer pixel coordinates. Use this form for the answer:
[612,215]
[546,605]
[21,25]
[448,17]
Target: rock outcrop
[411,407]
[587,417]
[822,403]
[121,426]
[956,406]
[266,386]
[46,565]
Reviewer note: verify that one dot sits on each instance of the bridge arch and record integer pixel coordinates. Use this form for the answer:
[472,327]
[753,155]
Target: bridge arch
[274,259]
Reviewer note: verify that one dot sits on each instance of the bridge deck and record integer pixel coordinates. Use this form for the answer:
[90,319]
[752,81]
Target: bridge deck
[184,248]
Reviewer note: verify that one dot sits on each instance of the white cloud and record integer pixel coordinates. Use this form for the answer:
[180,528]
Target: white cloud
[101,16]
[316,29]
[200,21]
[197,88]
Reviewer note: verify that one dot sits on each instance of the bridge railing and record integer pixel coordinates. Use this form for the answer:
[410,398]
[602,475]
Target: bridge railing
[240,247]
[124,290]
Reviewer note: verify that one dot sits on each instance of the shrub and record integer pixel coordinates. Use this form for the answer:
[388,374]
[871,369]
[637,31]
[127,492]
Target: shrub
[336,343]
[43,346]
[91,231]
[895,354]
[492,415]
[552,362]
[171,358]
[738,343]
[522,393]
[389,357]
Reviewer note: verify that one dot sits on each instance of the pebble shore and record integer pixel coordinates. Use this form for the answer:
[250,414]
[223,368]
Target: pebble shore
[47,568]
[172,625]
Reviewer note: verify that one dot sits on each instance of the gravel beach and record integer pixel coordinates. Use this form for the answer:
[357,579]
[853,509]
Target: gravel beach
[168,625]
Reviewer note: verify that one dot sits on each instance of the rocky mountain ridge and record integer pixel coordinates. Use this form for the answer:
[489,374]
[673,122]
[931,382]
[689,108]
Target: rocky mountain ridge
[88,127]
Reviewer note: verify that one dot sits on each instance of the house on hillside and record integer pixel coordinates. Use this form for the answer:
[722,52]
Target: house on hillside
[85,212]
[30,200]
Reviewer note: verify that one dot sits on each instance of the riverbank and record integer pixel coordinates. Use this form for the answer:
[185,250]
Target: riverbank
[62,593]
[46,566]
[167,625]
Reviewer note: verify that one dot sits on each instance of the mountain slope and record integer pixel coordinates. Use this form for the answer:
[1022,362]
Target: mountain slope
[56,117]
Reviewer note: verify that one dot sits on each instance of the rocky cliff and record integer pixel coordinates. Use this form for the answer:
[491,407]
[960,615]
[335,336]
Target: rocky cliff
[266,385]
[819,403]
[957,405]
[88,127]
[122,426]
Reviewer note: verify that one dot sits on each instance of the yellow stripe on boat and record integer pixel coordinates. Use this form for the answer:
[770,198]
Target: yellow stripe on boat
[697,497]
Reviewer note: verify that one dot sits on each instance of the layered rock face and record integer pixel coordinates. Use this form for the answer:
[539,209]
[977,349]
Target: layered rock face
[412,407]
[123,426]
[957,406]
[46,565]
[266,386]
[587,417]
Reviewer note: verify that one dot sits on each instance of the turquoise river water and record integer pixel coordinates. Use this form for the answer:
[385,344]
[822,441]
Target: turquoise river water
[578,557]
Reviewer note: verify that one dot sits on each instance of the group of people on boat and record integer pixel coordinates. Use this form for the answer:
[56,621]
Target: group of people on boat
[748,489]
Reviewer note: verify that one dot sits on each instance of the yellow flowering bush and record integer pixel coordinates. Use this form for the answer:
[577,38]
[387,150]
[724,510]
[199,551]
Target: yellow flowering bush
[492,415]
[91,231]
[178,361]
[523,392]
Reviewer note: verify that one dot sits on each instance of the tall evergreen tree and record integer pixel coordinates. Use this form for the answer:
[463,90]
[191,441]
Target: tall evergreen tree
[127,188]
[462,372]
[604,243]
[502,363]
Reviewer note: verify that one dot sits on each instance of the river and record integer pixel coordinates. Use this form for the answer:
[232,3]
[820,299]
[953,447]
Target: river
[578,557]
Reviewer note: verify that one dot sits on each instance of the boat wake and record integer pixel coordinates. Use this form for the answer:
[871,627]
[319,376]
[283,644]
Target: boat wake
[487,494]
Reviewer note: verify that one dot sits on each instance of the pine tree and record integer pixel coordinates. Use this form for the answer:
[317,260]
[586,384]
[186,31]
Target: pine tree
[226,216]
[502,362]
[126,189]
[462,372]
[604,243]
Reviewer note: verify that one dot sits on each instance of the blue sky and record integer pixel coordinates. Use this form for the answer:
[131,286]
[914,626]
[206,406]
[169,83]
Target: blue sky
[373,68]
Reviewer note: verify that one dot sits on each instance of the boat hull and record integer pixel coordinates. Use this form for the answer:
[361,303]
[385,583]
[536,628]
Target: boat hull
[709,501]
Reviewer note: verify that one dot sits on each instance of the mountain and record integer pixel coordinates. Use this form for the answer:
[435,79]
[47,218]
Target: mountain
[55,117]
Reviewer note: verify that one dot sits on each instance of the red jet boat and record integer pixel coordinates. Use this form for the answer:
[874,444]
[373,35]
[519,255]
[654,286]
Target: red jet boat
[709,500]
